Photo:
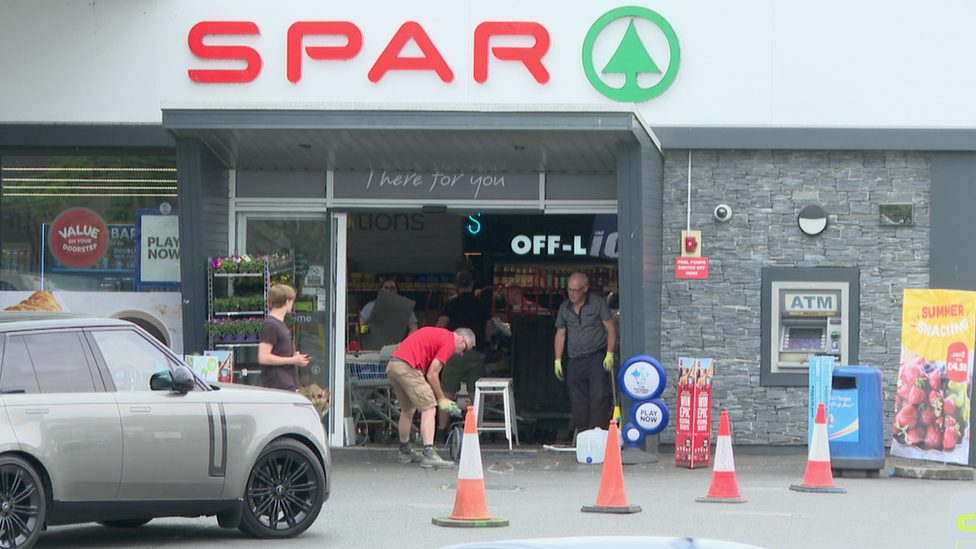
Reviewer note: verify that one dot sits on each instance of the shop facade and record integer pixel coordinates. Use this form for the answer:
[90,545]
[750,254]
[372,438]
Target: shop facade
[298,127]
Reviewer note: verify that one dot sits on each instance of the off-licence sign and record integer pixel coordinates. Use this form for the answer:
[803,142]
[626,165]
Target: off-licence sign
[691,267]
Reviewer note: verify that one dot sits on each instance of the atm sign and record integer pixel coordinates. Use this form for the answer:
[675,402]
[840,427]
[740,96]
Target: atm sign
[810,304]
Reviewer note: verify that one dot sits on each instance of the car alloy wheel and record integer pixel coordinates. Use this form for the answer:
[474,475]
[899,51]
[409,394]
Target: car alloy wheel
[22,504]
[284,492]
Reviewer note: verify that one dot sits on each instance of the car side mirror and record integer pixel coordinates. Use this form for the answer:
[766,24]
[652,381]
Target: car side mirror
[183,380]
[180,380]
[161,381]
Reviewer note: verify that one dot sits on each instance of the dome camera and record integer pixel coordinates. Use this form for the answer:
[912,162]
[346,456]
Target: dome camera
[723,212]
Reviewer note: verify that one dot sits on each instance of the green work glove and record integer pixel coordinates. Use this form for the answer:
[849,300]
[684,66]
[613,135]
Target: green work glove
[558,368]
[450,407]
[446,404]
[364,329]
[608,361]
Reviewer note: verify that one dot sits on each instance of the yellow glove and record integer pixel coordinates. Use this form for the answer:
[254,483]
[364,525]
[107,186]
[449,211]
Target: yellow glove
[364,329]
[608,361]
[446,404]
[558,368]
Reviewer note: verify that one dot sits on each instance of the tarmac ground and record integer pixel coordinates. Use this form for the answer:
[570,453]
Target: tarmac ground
[541,493]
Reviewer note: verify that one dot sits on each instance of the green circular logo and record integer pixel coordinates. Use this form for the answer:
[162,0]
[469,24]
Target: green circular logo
[631,58]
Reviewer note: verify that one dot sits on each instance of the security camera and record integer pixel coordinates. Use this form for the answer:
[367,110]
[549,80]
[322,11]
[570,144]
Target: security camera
[723,212]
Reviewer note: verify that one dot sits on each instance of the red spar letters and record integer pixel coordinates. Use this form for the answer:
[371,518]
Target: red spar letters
[389,60]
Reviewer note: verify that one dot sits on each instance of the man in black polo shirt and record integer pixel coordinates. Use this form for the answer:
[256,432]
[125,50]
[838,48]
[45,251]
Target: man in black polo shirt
[585,329]
[464,311]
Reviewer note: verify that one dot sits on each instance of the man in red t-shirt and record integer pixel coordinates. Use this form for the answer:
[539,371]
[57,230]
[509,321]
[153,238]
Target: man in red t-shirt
[414,372]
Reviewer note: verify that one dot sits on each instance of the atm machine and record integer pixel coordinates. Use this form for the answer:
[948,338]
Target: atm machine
[811,323]
[804,319]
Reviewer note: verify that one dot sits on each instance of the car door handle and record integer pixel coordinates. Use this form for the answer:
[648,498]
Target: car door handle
[37,411]
[140,409]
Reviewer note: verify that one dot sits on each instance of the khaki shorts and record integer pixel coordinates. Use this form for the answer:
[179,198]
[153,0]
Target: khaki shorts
[410,386]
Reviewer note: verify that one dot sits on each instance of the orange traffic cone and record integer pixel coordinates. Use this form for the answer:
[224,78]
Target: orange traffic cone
[818,477]
[724,487]
[612,498]
[470,503]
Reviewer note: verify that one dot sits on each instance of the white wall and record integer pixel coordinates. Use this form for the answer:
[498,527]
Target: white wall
[747,63]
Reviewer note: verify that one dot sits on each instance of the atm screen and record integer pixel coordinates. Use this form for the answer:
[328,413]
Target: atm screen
[805,339]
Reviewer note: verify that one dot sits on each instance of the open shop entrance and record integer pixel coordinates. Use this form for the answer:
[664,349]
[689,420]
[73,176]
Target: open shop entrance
[520,264]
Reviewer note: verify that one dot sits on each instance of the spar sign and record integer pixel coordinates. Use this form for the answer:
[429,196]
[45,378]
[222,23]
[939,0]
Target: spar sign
[629,54]
[78,238]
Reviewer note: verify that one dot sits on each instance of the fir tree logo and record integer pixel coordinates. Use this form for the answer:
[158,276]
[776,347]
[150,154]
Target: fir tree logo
[631,58]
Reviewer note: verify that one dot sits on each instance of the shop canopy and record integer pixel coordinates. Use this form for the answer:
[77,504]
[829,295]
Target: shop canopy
[510,142]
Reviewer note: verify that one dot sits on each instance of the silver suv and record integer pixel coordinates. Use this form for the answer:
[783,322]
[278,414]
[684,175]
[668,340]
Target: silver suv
[99,422]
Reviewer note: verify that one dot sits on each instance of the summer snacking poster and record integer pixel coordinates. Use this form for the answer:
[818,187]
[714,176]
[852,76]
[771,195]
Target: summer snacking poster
[935,376]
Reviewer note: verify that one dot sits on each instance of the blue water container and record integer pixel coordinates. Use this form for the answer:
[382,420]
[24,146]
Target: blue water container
[855,429]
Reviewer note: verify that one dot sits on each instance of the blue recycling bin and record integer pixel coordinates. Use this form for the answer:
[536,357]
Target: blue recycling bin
[855,430]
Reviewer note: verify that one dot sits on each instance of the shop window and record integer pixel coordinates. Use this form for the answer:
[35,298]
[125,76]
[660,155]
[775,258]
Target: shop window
[71,223]
[73,227]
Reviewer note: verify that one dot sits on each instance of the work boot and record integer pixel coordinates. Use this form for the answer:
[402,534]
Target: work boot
[413,456]
[432,460]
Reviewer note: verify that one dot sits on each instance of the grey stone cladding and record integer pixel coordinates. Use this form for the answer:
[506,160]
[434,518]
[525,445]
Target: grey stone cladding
[720,317]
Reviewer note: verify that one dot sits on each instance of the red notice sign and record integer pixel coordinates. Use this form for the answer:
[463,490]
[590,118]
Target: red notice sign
[691,267]
[78,237]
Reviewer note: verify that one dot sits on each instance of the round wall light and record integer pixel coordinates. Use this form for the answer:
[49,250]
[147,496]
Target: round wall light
[812,220]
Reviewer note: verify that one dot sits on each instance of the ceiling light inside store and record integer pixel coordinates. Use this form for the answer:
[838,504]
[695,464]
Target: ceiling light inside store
[76,181]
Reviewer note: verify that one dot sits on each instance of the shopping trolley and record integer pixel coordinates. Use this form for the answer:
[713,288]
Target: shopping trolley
[372,398]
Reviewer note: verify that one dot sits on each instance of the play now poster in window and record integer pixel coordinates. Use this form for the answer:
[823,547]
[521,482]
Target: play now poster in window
[159,248]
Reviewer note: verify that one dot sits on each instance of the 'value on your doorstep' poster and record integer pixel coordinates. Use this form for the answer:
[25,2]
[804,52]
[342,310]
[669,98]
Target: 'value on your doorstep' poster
[935,376]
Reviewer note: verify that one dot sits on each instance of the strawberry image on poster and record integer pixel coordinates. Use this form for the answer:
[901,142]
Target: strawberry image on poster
[919,420]
[78,238]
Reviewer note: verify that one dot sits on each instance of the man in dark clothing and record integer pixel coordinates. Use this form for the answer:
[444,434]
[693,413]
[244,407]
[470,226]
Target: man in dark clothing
[276,350]
[464,311]
[585,329]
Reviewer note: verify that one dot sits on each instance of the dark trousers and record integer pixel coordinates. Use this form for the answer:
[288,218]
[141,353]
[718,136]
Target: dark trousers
[588,392]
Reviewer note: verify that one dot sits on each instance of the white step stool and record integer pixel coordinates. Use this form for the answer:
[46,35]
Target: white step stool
[496,386]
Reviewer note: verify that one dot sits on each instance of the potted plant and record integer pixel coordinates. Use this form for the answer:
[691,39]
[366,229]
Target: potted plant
[253,328]
[276,262]
[224,265]
[218,329]
[238,329]
[253,303]
[212,329]
[251,264]
[222,304]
